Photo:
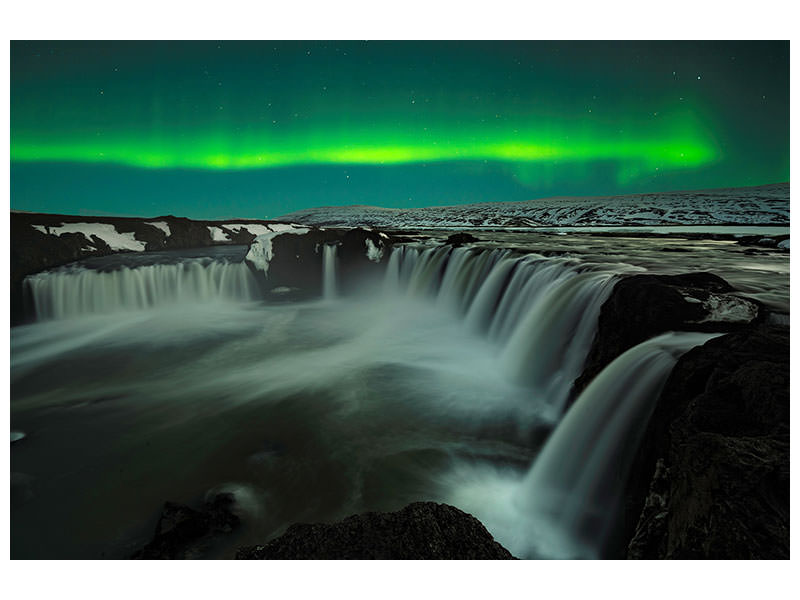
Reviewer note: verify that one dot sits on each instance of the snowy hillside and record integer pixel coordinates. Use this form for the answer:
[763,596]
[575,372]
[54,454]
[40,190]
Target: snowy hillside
[762,205]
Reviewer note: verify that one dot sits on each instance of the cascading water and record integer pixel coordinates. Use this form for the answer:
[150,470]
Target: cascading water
[429,390]
[74,291]
[542,312]
[569,501]
[329,290]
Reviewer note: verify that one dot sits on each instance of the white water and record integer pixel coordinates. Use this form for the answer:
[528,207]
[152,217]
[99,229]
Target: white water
[430,391]
[71,292]
[568,502]
[329,289]
[540,312]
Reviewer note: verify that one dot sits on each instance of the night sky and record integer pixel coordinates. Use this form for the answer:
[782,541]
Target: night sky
[259,129]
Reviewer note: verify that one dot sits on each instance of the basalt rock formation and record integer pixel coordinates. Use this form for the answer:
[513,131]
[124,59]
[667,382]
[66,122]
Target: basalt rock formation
[422,530]
[294,270]
[643,306]
[36,243]
[711,479]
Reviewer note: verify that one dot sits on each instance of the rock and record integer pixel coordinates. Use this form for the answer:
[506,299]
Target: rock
[295,260]
[643,306]
[183,532]
[422,530]
[763,241]
[711,479]
[36,247]
[460,238]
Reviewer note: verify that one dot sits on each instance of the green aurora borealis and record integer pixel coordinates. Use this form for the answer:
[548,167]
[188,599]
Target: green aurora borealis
[248,129]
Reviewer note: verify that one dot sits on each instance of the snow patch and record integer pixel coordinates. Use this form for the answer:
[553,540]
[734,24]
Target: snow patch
[374,253]
[288,228]
[692,300]
[105,231]
[260,253]
[253,228]
[162,225]
[217,235]
[41,228]
[729,309]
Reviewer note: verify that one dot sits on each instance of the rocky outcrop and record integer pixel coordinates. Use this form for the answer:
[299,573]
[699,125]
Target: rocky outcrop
[643,306]
[423,530]
[184,533]
[40,242]
[457,239]
[290,264]
[711,479]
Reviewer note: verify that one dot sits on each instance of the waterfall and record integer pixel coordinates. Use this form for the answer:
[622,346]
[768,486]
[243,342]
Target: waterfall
[573,488]
[541,312]
[74,291]
[329,271]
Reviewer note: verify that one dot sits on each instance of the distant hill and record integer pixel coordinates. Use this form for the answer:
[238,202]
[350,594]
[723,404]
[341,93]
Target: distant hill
[759,205]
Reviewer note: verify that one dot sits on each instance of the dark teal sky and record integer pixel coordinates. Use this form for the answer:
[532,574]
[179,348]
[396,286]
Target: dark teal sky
[254,129]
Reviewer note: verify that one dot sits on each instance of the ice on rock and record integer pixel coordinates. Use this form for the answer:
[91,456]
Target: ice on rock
[374,253]
[162,225]
[729,309]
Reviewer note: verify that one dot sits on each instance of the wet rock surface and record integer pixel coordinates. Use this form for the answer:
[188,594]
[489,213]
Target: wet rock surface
[643,306]
[422,530]
[184,533]
[711,479]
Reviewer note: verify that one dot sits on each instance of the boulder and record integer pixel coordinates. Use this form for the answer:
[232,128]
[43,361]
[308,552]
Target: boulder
[422,530]
[711,479]
[643,306]
[457,239]
[184,533]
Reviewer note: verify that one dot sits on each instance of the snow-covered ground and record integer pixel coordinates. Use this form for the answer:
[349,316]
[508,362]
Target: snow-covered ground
[127,241]
[762,205]
[105,231]
[260,253]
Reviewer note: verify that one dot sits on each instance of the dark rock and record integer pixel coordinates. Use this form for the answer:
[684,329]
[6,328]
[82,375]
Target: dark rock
[711,479]
[297,260]
[643,306]
[33,251]
[762,241]
[423,530]
[183,532]
[461,238]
